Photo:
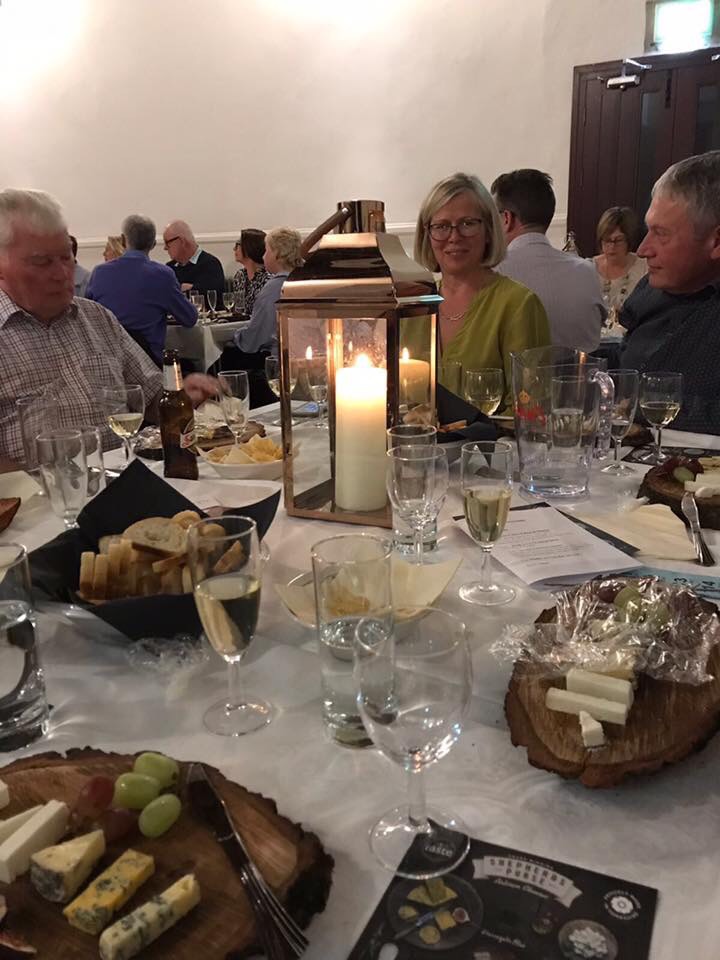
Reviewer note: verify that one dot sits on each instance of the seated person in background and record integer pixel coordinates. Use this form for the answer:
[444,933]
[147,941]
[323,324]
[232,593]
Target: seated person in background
[618,267]
[567,286]
[195,269]
[82,275]
[140,292]
[252,275]
[672,317]
[47,337]
[484,317]
[114,248]
[259,339]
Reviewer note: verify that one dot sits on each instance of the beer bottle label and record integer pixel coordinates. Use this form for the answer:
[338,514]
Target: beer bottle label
[187,437]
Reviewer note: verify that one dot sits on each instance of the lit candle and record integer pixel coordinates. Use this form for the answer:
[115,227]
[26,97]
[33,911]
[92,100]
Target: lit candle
[360,458]
[414,380]
[308,353]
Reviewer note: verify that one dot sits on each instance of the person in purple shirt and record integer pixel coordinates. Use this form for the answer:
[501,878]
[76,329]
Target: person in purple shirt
[139,291]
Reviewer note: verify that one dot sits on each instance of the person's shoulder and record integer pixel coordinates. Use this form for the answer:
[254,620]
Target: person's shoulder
[92,312]
[513,292]
[208,257]
[159,269]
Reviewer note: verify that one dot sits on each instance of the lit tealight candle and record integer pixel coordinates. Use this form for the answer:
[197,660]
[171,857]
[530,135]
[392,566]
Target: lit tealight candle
[309,353]
[414,380]
[360,458]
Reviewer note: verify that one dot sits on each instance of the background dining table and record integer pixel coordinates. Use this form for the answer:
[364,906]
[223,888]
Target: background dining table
[661,830]
[203,343]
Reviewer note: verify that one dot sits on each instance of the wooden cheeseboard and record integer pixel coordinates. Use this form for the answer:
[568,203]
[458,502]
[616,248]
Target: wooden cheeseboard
[659,486]
[291,860]
[667,722]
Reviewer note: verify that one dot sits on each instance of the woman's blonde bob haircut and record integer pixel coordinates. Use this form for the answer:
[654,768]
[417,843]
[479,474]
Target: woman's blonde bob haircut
[285,245]
[442,193]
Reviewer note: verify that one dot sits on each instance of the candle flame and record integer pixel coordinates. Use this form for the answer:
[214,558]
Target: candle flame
[309,353]
[405,355]
[362,360]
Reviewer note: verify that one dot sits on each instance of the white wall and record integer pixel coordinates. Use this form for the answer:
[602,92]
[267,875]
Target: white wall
[266,112]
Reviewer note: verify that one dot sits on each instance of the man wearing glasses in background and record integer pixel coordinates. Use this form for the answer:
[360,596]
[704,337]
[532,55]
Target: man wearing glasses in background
[196,269]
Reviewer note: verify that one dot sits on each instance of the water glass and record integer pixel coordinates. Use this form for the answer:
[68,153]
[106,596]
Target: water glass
[317,377]
[92,441]
[414,685]
[351,574]
[235,400]
[211,296]
[63,468]
[624,406]
[451,376]
[23,704]
[567,412]
[35,414]
[417,482]
[403,538]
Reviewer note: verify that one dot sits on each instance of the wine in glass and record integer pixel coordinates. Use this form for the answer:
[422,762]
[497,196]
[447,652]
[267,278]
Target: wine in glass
[211,296]
[229,301]
[235,400]
[625,401]
[226,570]
[486,483]
[484,389]
[417,482]
[125,410]
[198,301]
[660,402]
[272,374]
[63,468]
[414,682]
[317,376]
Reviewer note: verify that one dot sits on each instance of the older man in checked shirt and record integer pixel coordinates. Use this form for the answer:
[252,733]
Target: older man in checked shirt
[48,338]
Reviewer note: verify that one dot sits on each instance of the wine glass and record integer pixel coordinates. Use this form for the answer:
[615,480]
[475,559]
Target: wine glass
[660,402]
[198,301]
[627,386]
[486,483]
[235,400]
[63,468]
[125,409]
[417,482]
[229,301]
[211,301]
[414,682]
[272,374]
[317,375]
[226,571]
[484,389]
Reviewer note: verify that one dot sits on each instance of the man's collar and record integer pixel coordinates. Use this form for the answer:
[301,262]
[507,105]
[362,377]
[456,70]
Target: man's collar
[527,239]
[9,309]
[194,258]
[134,255]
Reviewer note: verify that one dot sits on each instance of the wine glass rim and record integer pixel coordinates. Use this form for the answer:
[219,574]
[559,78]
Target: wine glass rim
[60,433]
[435,452]
[11,554]
[488,445]
[194,529]
[387,545]
[653,374]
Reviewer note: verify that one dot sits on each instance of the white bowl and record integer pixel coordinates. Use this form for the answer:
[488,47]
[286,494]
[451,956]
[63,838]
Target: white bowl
[272,470]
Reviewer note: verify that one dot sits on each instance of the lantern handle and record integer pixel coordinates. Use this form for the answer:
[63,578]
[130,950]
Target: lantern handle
[340,216]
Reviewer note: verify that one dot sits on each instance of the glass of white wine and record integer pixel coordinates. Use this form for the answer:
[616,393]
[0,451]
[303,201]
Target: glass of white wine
[660,402]
[125,410]
[486,483]
[484,389]
[234,399]
[272,374]
[229,301]
[625,401]
[226,564]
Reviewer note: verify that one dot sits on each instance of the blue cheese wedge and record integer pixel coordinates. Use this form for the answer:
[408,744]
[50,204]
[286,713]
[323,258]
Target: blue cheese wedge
[44,827]
[129,935]
[58,872]
[9,826]
[4,794]
[93,909]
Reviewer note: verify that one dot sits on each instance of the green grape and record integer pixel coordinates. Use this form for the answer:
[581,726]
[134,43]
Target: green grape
[159,815]
[164,769]
[135,790]
[627,595]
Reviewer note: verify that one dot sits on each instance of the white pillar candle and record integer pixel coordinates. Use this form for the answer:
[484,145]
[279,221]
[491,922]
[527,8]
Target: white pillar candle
[414,380]
[360,422]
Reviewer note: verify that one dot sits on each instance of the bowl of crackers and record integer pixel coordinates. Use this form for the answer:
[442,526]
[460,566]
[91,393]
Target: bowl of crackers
[258,459]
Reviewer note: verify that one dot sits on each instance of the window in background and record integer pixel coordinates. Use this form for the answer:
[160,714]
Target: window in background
[673,26]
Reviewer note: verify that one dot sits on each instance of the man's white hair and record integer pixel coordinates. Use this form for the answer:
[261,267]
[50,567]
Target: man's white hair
[33,209]
[696,181]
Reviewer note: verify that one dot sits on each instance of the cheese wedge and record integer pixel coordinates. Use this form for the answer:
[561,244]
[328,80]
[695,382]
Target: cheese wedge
[591,731]
[566,701]
[599,685]
[10,825]
[4,794]
[93,909]
[57,873]
[45,826]
[130,934]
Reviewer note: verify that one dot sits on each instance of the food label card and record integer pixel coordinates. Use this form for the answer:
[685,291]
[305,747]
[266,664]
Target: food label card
[501,904]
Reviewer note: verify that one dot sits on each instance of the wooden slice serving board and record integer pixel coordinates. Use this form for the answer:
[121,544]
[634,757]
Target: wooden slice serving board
[292,861]
[667,722]
[658,487]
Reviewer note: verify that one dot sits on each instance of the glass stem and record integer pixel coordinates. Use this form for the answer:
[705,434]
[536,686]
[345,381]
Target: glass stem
[485,569]
[127,452]
[418,531]
[658,443]
[235,697]
[417,806]
[616,441]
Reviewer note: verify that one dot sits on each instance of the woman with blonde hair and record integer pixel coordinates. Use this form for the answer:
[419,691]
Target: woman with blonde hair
[114,248]
[484,317]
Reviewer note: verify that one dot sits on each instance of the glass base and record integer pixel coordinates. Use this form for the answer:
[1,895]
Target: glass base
[444,845]
[491,596]
[618,470]
[227,721]
[652,457]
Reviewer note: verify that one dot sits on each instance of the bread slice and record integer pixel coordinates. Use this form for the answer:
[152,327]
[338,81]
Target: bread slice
[157,536]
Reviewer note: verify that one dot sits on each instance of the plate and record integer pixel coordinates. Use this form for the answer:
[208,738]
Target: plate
[272,470]
[292,860]
[595,930]
[466,899]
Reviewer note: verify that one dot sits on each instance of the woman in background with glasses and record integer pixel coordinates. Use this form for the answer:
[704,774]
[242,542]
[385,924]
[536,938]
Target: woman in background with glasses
[484,317]
[252,275]
[618,268]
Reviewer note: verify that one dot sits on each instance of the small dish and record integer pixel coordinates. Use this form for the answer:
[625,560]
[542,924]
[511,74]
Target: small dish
[271,470]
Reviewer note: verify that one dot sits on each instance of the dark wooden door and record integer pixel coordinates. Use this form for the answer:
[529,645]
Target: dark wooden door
[697,115]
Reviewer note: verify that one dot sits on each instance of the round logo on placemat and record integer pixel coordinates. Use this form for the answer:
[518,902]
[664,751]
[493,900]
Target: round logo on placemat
[622,905]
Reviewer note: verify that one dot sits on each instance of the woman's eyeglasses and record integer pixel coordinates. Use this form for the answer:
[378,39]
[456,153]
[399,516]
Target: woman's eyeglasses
[467,227]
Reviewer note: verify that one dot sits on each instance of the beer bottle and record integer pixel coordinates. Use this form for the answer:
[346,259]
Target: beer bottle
[177,422]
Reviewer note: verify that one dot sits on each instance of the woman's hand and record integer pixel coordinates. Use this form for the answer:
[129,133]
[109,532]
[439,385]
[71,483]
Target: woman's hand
[199,387]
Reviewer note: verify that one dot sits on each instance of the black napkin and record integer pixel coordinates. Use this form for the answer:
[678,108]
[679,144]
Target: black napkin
[451,408]
[136,494]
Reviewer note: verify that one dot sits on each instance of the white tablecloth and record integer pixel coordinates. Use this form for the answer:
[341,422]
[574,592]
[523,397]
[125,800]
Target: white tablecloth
[202,343]
[662,830]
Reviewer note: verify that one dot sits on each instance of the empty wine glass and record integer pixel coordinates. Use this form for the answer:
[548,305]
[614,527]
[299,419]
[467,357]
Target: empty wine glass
[125,410]
[63,468]
[229,301]
[92,440]
[413,685]
[317,375]
[226,572]
[198,301]
[484,389]
[235,400]
[417,482]
[211,296]
[486,484]
[627,385]
[660,402]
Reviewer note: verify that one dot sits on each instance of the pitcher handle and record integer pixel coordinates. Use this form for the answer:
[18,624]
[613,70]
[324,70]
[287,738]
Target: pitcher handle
[607,396]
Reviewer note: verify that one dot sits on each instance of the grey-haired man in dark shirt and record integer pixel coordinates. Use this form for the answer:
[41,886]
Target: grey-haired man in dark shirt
[673,315]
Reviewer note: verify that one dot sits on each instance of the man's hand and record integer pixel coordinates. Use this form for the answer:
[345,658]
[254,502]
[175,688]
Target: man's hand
[199,387]
[185,287]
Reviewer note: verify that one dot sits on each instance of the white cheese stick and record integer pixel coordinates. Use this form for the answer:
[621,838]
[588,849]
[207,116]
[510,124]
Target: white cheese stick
[4,794]
[599,685]
[711,482]
[567,701]
[9,826]
[591,730]
[42,829]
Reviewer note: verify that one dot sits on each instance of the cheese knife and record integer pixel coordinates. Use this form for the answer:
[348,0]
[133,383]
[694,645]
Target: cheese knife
[690,510]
